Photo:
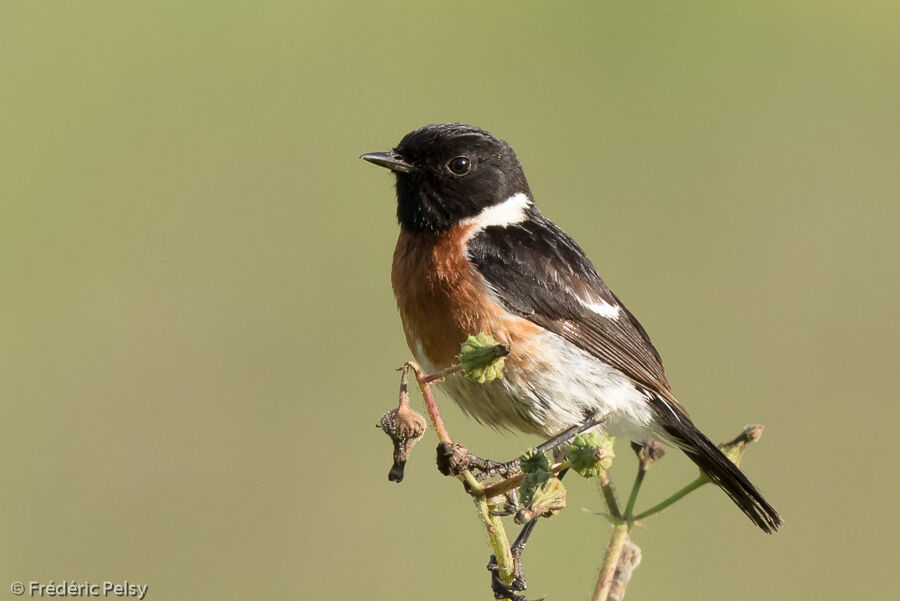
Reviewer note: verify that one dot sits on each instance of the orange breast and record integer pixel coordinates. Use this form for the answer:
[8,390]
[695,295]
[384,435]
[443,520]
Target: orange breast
[442,300]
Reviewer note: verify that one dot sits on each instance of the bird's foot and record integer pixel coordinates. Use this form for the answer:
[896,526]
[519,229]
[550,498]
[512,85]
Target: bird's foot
[594,419]
[453,459]
[511,505]
[488,468]
[513,590]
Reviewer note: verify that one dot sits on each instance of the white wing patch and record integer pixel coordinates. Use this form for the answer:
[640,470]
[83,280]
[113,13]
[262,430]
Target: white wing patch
[600,307]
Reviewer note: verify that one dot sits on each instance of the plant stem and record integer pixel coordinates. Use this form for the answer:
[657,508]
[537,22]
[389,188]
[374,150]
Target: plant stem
[430,404]
[610,496]
[635,489]
[499,541]
[493,524]
[610,561]
[700,481]
[440,375]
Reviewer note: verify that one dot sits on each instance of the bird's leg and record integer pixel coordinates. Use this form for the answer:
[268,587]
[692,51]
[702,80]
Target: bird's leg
[517,548]
[488,467]
[595,419]
[511,506]
[511,591]
[500,589]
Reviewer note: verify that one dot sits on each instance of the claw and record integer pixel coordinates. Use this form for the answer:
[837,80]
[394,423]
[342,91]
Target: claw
[489,468]
[510,506]
[502,590]
[503,513]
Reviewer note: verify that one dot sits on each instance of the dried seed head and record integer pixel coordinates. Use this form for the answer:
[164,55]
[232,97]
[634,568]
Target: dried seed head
[736,448]
[651,450]
[405,428]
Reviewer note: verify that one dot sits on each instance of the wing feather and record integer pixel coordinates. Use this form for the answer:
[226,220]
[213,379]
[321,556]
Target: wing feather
[539,273]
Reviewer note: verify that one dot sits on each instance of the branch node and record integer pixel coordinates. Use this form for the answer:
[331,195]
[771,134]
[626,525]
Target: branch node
[452,458]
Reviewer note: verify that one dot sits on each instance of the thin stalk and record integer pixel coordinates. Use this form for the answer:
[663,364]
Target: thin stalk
[610,561]
[440,375]
[610,496]
[493,524]
[499,541]
[700,481]
[635,489]
[430,403]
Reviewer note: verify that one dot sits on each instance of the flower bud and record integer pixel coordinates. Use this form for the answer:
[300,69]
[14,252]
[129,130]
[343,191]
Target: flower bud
[546,498]
[534,461]
[482,358]
[591,453]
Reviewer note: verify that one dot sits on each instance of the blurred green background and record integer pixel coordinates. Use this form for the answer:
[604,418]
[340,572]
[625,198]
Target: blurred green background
[198,331]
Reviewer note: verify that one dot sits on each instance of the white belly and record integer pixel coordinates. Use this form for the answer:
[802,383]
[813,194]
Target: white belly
[560,390]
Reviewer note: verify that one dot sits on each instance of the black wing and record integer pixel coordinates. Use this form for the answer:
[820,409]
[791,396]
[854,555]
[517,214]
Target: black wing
[539,273]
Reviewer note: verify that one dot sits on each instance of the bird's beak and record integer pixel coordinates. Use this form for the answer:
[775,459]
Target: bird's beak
[391,160]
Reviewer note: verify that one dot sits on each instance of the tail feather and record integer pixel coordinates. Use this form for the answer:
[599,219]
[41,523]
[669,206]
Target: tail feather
[718,468]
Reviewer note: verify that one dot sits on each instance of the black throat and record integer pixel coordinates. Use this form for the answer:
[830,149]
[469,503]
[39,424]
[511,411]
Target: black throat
[420,208]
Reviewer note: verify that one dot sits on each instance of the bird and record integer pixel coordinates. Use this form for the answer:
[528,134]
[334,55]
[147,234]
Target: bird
[475,254]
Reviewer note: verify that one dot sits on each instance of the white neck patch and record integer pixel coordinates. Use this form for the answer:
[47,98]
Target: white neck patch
[509,212]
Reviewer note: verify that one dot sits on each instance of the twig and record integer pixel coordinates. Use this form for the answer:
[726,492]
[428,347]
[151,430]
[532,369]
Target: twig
[635,489]
[610,562]
[440,375]
[700,481]
[492,523]
[621,556]
[628,561]
[616,571]
[609,496]
[430,404]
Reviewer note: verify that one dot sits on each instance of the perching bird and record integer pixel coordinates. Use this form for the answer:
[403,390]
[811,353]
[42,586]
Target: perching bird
[475,254]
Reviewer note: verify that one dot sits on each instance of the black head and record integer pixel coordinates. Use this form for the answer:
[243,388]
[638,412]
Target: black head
[448,172]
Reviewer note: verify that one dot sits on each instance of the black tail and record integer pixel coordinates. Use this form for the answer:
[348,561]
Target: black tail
[718,467]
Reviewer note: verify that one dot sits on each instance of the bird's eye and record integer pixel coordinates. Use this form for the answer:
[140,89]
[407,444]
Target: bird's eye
[459,165]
